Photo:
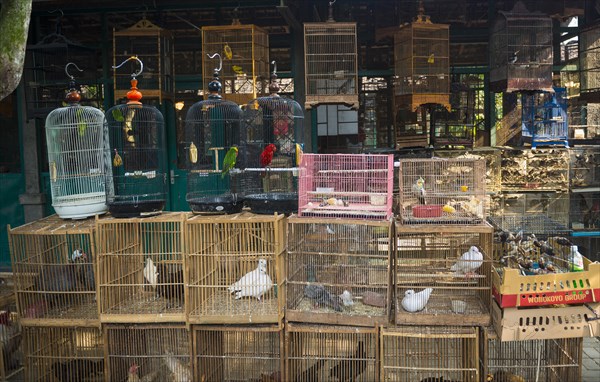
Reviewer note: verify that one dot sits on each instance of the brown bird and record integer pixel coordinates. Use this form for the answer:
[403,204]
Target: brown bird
[312,373]
[348,369]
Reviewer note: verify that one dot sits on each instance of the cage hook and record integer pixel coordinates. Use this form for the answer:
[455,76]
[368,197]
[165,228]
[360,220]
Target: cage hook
[134,74]
[67,69]
[220,61]
[274,66]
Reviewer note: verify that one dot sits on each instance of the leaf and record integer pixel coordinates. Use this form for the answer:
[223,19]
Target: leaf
[117,115]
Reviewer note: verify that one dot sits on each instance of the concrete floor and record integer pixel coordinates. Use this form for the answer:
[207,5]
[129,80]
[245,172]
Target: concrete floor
[591,360]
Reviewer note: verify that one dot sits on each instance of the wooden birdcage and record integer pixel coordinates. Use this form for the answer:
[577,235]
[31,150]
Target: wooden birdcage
[544,118]
[543,360]
[10,345]
[584,211]
[63,353]
[451,286]
[141,275]
[77,143]
[152,352]
[327,353]
[492,158]
[422,63]
[235,268]
[212,127]
[245,52]
[584,171]
[535,170]
[521,53]
[137,156]
[338,271]
[412,128]
[54,265]
[442,191]
[238,353]
[154,45]
[331,63]
[429,353]
[589,63]
[451,131]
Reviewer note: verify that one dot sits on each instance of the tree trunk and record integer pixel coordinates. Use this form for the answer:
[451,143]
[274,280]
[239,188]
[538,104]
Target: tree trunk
[14,24]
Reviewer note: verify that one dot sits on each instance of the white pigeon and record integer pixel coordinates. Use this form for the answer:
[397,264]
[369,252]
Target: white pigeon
[254,283]
[469,262]
[180,371]
[150,273]
[414,302]
[346,297]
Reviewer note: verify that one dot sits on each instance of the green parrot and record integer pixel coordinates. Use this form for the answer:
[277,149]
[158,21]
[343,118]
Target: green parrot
[229,161]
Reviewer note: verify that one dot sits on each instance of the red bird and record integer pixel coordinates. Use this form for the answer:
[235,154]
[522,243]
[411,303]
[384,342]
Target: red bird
[267,156]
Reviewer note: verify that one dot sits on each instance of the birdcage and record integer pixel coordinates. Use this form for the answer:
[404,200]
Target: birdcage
[412,128]
[338,271]
[544,119]
[235,268]
[535,170]
[238,353]
[493,161]
[154,45]
[245,52]
[542,360]
[346,186]
[63,353]
[152,352]
[325,352]
[331,63]
[54,262]
[521,54]
[442,191]
[138,186]
[589,63]
[448,271]
[422,63]
[270,152]
[584,211]
[77,144]
[429,354]
[584,171]
[449,130]
[212,126]
[540,323]
[11,363]
[141,274]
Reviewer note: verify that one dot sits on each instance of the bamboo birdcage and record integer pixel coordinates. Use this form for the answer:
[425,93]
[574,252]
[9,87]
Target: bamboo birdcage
[429,353]
[137,151]
[63,353]
[161,352]
[341,257]
[493,161]
[154,45]
[422,63]
[327,353]
[521,53]
[53,284]
[245,52]
[584,171]
[212,127]
[77,144]
[412,128]
[589,63]
[545,169]
[238,353]
[141,275]
[271,148]
[544,118]
[331,63]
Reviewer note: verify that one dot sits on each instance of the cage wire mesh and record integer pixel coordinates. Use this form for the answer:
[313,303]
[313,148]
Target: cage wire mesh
[212,128]
[138,186]
[238,353]
[141,274]
[429,353]
[535,170]
[326,353]
[521,54]
[11,355]
[338,271]
[63,353]
[451,130]
[544,118]
[54,267]
[346,186]
[442,191]
[156,352]
[448,272]
[530,360]
[412,128]
[270,152]
[77,143]
[584,211]
[583,166]
[589,63]
[493,161]
[235,268]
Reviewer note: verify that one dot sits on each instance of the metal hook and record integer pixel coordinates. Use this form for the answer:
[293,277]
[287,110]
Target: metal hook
[59,10]
[134,74]
[274,66]
[67,69]
[332,2]
[220,61]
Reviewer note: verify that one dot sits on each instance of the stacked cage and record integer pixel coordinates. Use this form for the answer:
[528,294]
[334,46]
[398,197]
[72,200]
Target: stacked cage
[137,152]
[584,209]
[544,118]
[141,274]
[589,63]
[11,362]
[412,128]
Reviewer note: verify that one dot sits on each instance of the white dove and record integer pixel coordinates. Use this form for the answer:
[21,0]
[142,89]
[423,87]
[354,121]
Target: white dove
[469,262]
[346,297]
[150,273]
[254,283]
[414,302]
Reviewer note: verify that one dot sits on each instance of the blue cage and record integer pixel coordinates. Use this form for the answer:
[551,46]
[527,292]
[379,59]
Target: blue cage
[544,118]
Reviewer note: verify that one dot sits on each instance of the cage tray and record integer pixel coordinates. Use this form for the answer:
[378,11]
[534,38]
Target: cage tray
[131,209]
[269,203]
[225,204]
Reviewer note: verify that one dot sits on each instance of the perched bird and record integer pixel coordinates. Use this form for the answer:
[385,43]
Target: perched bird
[448,209]
[318,293]
[238,70]
[77,369]
[180,371]
[229,160]
[312,373]
[414,302]
[419,190]
[169,283]
[469,262]
[267,156]
[348,369]
[346,297]
[431,58]
[299,153]
[505,376]
[254,283]
[227,52]
[513,57]
[544,247]
[150,272]
[562,241]
[117,160]
[133,376]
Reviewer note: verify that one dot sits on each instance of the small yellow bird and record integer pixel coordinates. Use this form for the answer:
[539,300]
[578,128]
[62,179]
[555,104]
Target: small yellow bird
[431,58]
[449,209]
[193,153]
[299,153]
[227,51]
[117,160]
[238,69]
